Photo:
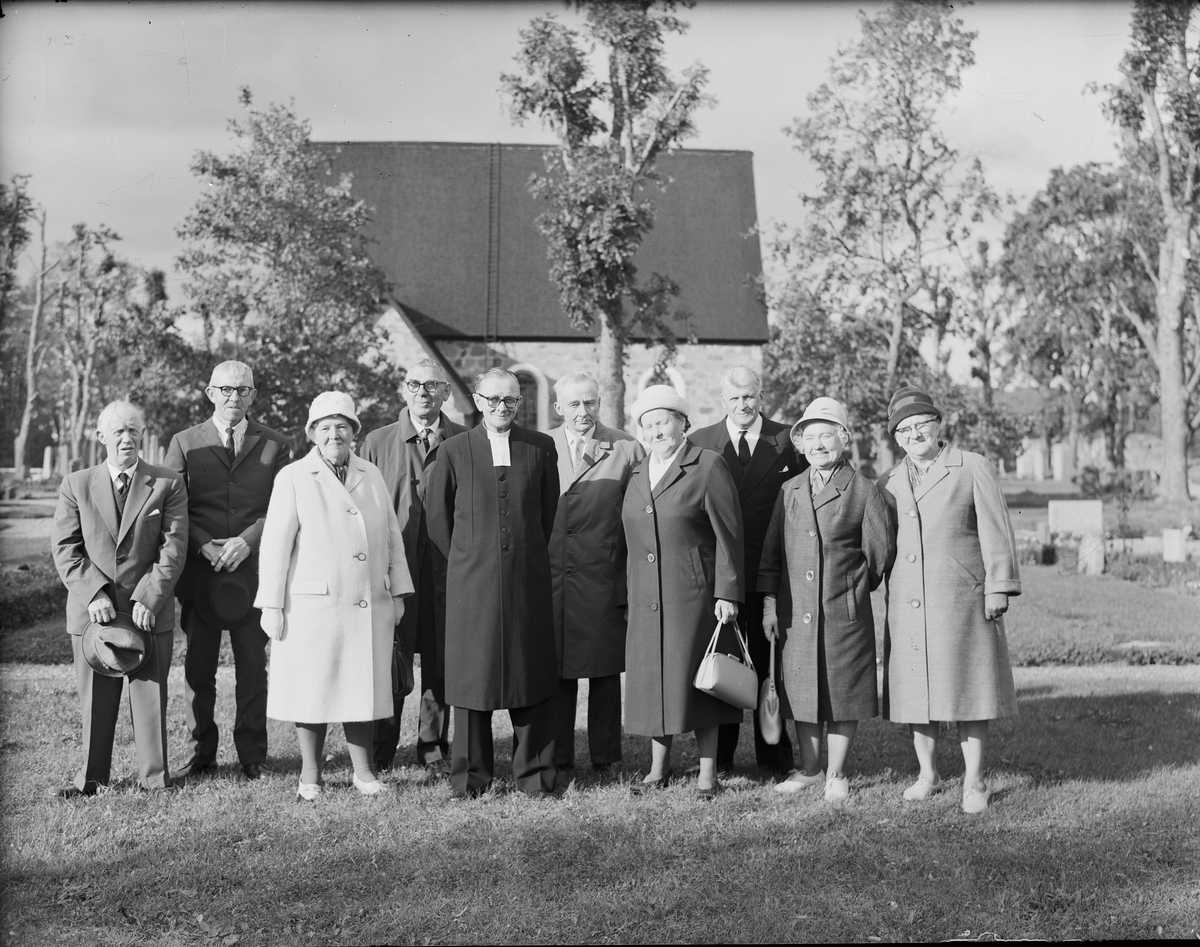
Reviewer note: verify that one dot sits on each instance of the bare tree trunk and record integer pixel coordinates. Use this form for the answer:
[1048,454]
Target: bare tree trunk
[610,365]
[1168,303]
[31,355]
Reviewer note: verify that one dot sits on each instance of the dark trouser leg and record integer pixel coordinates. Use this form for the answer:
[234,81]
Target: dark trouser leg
[604,719]
[100,702]
[200,684]
[250,667]
[564,721]
[387,729]
[533,746]
[778,758]
[472,762]
[148,709]
[433,735]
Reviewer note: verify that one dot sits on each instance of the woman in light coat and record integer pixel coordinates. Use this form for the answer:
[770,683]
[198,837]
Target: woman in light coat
[956,566]
[332,577]
[830,541]
[683,532]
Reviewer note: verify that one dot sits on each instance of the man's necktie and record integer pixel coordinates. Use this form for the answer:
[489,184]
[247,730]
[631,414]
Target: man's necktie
[428,440]
[122,491]
[230,447]
[743,450]
[577,459]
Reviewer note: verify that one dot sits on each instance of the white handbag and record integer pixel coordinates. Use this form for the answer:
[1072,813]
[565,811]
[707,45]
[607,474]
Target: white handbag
[726,676]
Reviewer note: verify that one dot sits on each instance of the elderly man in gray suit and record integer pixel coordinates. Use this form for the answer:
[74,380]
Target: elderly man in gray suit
[587,563]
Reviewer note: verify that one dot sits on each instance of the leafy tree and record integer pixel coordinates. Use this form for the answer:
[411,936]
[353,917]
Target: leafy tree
[611,130]
[277,268]
[16,211]
[1157,109]
[1070,260]
[895,199]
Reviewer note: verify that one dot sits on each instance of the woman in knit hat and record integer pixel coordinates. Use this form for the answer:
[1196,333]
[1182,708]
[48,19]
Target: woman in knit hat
[946,654]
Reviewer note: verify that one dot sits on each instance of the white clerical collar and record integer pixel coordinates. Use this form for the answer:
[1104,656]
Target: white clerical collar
[115,472]
[501,452]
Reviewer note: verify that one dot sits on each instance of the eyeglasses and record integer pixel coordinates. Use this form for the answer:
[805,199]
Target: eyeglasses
[924,427]
[229,391]
[430,387]
[495,401]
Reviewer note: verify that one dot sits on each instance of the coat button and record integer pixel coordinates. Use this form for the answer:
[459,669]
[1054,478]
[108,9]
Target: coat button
[650,557]
[654,606]
[354,511]
[916,603]
[362,604]
[808,619]
[649,509]
[911,558]
[570,532]
[505,548]
[810,575]
[570,572]
[504,529]
[502,477]
[504,512]
[812,532]
[503,496]
[361,556]
[912,513]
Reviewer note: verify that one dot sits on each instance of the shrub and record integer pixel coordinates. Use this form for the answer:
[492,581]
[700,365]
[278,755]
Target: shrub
[1153,572]
[29,593]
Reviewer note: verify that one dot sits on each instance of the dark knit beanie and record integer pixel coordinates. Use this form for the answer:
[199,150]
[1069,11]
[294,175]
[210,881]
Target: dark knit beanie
[907,402]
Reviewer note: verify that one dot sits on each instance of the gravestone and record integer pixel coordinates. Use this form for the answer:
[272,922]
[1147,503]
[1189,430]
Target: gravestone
[1174,546]
[1082,520]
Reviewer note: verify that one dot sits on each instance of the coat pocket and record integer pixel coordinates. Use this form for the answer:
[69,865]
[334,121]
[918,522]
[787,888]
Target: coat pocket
[309,587]
[698,571]
[963,572]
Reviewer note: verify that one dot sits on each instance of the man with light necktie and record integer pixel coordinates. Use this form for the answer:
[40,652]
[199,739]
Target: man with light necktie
[587,566]
[761,457]
[229,464]
[405,453]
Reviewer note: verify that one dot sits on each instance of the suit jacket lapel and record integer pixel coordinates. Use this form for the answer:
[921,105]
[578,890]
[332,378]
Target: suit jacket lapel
[105,499]
[354,472]
[252,437]
[732,461]
[139,493]
[212,438]
[566,473]
[641,478]
[766,453]
[325,477]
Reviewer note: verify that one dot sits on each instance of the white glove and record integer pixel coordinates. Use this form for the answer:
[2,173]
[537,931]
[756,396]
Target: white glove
[770,617]
[273,623]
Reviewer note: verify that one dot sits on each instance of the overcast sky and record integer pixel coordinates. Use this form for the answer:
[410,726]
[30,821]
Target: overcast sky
[105,104]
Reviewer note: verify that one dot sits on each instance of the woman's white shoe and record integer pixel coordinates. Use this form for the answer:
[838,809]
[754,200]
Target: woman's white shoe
[373,788]
[797,781]
[308,792]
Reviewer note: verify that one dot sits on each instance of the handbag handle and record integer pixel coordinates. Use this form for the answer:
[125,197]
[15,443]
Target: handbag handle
[712,644]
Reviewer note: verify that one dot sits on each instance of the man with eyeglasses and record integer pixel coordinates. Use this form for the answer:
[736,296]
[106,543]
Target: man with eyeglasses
[490,509]
[587,562]
[229,464]
[406,453]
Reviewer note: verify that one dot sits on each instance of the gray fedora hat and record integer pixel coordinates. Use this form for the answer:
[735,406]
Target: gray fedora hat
[116,649]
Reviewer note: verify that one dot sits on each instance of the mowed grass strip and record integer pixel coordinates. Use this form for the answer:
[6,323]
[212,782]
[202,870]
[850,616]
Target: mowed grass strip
[1095,832]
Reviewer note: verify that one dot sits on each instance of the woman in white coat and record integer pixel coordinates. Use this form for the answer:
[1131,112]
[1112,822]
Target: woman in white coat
[332,577]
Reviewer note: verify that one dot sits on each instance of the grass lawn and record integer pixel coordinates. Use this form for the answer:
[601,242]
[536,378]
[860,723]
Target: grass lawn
[1094,832]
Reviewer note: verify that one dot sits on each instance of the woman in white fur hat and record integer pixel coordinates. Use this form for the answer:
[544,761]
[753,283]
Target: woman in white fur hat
[331,586]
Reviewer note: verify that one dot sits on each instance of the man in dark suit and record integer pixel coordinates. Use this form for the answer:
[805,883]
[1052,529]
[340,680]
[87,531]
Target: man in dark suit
[119,541]
[490,509]
[229,464]
[406,452]
[760,457]
[587,563]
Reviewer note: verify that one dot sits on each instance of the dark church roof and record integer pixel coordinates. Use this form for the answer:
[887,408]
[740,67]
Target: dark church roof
[456,237]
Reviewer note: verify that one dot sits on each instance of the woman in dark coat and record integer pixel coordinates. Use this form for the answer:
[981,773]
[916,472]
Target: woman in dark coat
[830,541]
[946,654]
[683,529]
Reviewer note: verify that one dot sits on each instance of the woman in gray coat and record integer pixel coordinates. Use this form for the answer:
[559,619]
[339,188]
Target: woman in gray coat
[683,530]
[946,652]
[830,541]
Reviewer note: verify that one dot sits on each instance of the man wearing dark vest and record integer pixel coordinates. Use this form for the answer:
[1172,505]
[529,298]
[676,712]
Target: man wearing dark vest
[406,453]
[229,464]
[760,457]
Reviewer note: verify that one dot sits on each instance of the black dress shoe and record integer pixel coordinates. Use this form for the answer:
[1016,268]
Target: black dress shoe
[194,769]
[437,770]
[256,770]
[645,788]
